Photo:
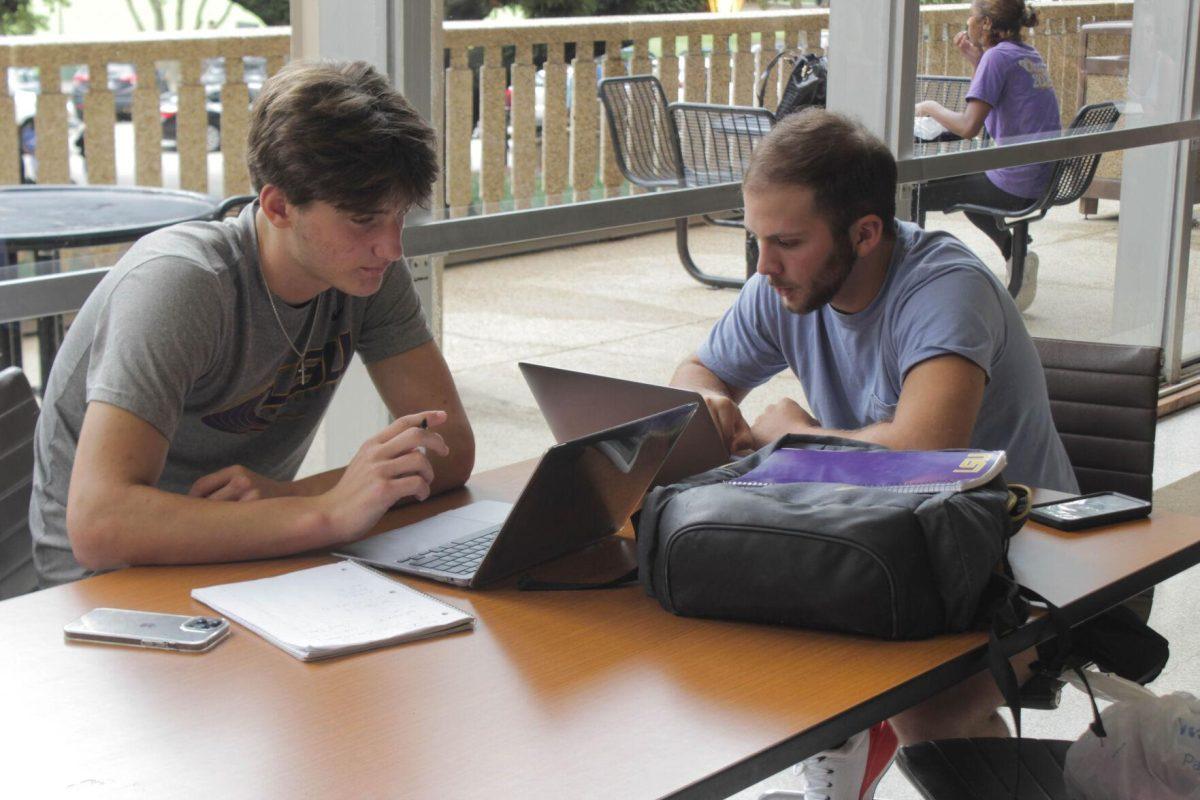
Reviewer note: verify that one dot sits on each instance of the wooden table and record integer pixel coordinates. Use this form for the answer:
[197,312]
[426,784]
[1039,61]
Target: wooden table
[555,695]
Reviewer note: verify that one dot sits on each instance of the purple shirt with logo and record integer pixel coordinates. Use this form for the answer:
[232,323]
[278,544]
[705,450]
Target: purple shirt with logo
[1013,79]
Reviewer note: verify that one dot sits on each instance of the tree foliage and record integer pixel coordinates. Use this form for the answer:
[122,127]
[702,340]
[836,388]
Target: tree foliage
[16,17]
[164,15]
[468,9]
[272,12]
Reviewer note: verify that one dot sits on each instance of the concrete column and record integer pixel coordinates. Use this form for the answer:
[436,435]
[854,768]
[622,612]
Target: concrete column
[873,68]
[402,38]
[1155,225]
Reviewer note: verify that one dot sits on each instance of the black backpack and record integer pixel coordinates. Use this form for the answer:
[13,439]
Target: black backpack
[835,557]
[805,84]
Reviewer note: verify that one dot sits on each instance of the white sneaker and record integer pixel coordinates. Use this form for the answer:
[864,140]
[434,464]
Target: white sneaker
[851,772]
[1028,291]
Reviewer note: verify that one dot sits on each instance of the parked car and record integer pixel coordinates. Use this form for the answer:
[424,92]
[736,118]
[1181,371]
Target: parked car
[169,109]
[122,80]
[254,73]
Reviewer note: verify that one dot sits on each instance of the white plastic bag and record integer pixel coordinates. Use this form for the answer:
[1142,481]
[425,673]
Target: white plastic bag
[927,129]
[1152,751]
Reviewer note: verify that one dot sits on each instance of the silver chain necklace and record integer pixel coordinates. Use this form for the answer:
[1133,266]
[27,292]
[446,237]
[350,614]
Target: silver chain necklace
[311,327]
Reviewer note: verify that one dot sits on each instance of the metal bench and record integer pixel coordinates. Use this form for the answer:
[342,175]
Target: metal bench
[681,145]
[949,90]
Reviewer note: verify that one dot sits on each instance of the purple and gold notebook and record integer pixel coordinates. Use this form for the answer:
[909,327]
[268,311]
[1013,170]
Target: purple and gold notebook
[898,470]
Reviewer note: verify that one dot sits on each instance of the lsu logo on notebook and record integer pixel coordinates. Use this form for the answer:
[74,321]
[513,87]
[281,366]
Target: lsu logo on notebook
[974,462]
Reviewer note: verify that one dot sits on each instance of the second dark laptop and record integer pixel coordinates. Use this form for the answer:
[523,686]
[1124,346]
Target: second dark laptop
[578,403]
[581,491]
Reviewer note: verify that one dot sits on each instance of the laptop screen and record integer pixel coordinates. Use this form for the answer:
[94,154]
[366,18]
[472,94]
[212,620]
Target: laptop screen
[578,403]
[585,489]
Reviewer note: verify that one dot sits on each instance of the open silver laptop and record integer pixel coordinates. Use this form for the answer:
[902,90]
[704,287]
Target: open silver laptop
[577,403]
[581,491]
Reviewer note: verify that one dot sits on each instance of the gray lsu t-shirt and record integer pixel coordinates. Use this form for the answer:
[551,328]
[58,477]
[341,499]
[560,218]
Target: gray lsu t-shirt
[181,333]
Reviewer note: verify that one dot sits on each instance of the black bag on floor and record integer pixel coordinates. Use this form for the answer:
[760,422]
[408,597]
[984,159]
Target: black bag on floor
[826,556]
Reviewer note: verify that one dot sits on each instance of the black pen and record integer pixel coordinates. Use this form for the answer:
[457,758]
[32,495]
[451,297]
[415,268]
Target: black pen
[424,422]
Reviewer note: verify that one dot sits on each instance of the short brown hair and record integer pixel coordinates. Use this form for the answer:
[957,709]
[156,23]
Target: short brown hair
[850,172]
[338,132]
[1008,17]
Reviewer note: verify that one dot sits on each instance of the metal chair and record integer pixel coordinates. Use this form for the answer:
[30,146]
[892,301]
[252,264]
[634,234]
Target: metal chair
[1104,400]
[948,90]
[1067,184]
[232,205]
[715,143]
[18,417]
[680,145]
[984,769]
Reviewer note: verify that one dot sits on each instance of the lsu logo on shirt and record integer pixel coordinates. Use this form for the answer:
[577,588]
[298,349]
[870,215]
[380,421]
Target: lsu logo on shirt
[323,366]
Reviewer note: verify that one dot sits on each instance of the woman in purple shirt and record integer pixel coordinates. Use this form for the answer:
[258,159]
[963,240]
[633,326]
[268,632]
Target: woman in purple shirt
[1011,95]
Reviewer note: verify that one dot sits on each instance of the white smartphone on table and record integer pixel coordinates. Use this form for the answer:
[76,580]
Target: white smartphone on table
[186,633]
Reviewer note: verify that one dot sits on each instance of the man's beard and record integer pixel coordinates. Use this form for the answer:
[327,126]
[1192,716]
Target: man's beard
[826,284]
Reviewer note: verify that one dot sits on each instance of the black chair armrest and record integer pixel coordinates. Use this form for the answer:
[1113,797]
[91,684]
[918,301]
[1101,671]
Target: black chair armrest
[232,203]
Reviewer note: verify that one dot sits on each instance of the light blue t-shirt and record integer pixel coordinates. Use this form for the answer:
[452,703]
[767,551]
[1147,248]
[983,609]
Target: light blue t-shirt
[937,299]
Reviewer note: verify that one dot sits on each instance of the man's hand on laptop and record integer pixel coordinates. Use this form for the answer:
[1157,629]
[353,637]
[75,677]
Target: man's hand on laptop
[780,418]
[727,416]
[389,467]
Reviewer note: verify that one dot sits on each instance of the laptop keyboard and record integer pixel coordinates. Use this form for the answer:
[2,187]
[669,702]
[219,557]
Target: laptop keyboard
[458,558]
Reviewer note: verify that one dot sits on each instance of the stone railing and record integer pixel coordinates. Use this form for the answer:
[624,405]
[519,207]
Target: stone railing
[574,153]
[551,147]
[572,158]
[188,52]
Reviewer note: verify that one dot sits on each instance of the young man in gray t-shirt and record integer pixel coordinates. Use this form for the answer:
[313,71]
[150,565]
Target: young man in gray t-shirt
[899,336]
[191,383]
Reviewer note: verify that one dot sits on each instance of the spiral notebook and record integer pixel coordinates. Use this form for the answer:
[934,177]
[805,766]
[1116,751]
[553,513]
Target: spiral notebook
[333,610]
[897,470]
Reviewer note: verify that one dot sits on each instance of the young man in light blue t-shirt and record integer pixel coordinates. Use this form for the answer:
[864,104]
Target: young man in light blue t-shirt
[899,336]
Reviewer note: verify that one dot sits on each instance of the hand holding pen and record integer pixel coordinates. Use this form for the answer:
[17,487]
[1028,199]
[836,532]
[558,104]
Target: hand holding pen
[389,467]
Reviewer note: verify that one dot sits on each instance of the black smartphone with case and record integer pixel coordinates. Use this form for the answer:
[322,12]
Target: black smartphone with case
[1089,510]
